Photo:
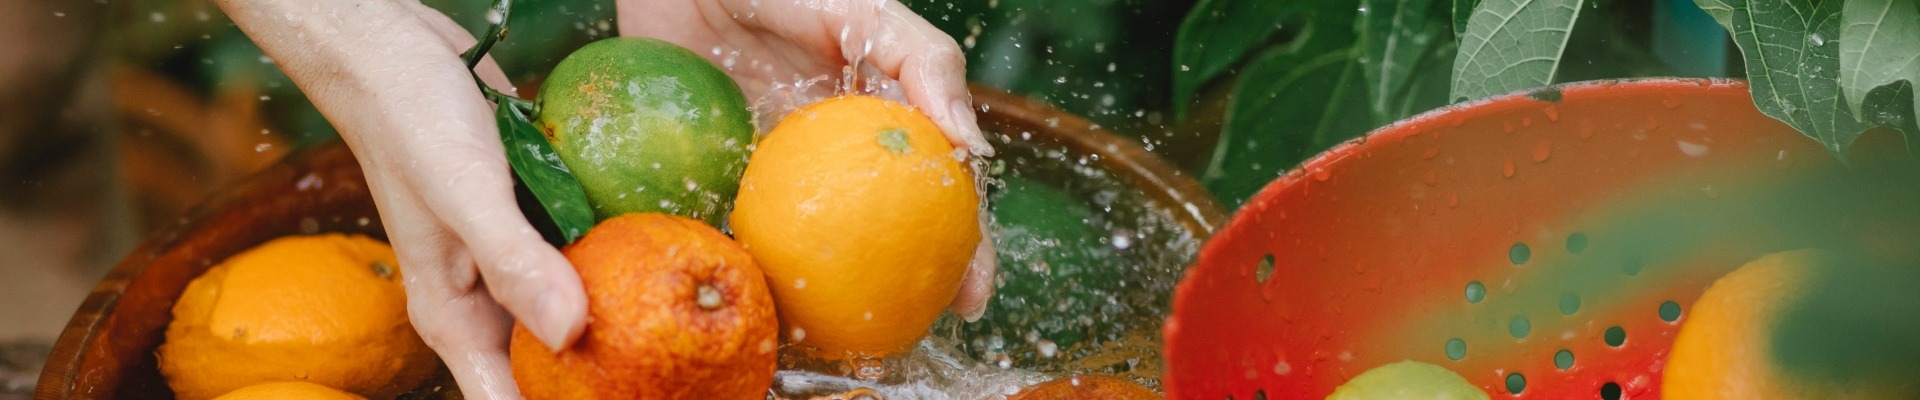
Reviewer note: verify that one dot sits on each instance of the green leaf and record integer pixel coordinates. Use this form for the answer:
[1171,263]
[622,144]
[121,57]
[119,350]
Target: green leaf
[1287,106]
[1793,67]
[1462,9]
[1879,46]
[1215,35]
[1512,45]
[1397,36]
[540,169]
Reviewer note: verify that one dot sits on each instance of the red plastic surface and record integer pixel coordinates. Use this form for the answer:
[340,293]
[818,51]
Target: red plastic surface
[1375,242]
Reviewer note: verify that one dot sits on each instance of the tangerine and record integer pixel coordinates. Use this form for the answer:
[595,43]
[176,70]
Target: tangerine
[864,218]
[676,311]
[327,309]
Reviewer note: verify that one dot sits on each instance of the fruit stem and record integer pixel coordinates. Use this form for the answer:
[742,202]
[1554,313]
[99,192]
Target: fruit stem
[496,30]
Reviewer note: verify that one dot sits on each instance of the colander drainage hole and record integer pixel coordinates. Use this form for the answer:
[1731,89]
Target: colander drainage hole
[1456,349]
[1670,311]
[1615,336]
[1516,383]
[1259,394]
[1476,292]
[1569,303]
[1519,326]
[1563,359]
[1576,243]
[1519,254]
[1632,267]
[1265,270]
[1610,391]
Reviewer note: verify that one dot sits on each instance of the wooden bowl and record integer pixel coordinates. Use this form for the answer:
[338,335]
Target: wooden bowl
[107,349]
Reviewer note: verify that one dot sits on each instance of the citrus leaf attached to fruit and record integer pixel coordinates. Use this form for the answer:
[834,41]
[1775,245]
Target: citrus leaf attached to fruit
[540,169]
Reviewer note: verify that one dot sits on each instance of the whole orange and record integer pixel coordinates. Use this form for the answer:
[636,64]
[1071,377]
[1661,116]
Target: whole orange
[288,390]
[675,309]
[327,309]
[1726,346]
[864,218]
[1088,387]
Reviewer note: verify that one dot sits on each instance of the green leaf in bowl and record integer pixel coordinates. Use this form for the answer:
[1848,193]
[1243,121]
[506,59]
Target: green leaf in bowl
[1512,45]
[540,169]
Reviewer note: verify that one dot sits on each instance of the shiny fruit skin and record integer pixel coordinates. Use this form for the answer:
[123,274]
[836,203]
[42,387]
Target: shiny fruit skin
[676,310]
[865,220]
[328,309]
[647,126]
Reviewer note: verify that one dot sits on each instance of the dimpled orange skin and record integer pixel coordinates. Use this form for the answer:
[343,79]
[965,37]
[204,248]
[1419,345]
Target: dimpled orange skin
[864,221]
[327,309]
[288,390]
[1088,387]
[648,335]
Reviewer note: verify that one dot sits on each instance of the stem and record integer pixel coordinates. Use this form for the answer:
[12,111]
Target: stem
[496,30]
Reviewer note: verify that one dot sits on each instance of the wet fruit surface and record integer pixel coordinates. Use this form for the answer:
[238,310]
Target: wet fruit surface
[864,220]
[676,310]
[647,126]
[293,390]
[326,309]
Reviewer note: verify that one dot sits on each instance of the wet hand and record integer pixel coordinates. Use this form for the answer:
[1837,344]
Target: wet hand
[772,48]
[387,74]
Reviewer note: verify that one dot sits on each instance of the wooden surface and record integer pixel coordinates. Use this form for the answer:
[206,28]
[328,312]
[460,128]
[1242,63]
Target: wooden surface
[107,349]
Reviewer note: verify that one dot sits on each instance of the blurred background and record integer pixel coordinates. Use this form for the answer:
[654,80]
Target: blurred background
[121,115]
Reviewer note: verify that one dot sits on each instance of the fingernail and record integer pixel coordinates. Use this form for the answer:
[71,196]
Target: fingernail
[985,263]
[961,113]
[555,327]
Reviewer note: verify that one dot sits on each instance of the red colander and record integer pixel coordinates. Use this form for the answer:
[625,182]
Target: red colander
[1542,245]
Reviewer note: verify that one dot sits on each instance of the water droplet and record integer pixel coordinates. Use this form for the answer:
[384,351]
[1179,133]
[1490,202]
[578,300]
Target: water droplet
[1670,103]
[799,283]
[1542,150]
[1553,114]
[1122,241]
[1506,170]
[1817,39]
[1692,149]
[1321,174]
[157,17]
[262,148]
[1048,349]
[494,17]
[798,334]
[1282,368]
[1183,67]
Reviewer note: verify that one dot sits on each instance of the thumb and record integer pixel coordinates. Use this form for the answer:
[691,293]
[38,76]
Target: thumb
[532,280]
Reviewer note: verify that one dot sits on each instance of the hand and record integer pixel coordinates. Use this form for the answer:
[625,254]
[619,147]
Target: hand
[387,74]
[769,44]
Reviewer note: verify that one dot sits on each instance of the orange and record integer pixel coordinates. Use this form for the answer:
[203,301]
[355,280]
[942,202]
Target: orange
[864,218]
[1724,349]
[1088,387]
[675,309]
[288,390]
[327,309]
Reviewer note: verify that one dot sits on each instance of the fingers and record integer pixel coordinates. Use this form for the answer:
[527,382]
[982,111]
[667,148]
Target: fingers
[473,195]
[887,35]
[458,40]
[931,70]
[977,286]
[446,303]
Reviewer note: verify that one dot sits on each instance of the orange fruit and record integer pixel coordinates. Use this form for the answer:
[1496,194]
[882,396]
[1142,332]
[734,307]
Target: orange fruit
[1088,387]
[675,309]
[289,390]
[327,309]
[864,218]
[1725,349]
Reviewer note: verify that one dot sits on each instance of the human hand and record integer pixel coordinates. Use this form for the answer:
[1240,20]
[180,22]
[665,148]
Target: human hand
[769,45]
[388,75]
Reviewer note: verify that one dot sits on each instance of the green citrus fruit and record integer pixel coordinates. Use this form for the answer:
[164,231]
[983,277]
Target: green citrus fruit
[1408,380]
[648,126]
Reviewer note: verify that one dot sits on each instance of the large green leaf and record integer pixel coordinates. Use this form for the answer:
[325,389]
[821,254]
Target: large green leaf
[1512,45]
[541,170]
[1287,106]
[1793,66]
[1879,46]
[1396,36]
[1214,37]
